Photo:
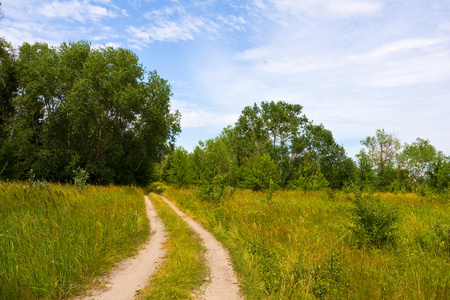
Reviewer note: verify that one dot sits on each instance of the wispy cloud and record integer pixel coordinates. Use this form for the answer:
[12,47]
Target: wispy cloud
[194,115]
[81,11]
[336,8]
[182,29]
[402,47]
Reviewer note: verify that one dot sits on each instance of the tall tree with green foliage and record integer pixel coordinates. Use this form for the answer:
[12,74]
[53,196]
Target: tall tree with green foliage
[417,158]
[9,163]
[91,108]
[382,151]
[275,128]
[179,169]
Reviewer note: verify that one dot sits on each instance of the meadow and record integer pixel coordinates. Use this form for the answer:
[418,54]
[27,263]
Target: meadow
[302,245]
[55,240]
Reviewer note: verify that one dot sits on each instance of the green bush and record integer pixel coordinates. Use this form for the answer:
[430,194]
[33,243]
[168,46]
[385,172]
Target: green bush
[373,221]
[259,173]
[80,178]
[155,187]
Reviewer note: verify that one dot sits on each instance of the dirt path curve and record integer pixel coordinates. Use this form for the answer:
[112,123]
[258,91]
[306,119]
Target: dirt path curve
[133,273]
[223,284]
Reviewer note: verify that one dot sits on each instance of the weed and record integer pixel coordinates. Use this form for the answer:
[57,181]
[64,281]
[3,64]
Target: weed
[269,267]
[443,233]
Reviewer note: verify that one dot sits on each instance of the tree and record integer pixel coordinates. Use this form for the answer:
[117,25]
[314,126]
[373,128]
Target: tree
[274,128]
[366,172]
[9,163]
[8,86]
[439,172]
[259,173]
[78,107]
[417,158]
[179,168]
[382,151]
[319,148]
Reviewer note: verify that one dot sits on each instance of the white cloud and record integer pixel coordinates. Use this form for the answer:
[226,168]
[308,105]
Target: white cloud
[233,22]
[109,44]
[164,29]
[320,7]
[30,32]
[404,47]
[194,115]
[81,11]
[353,7]
[421,70]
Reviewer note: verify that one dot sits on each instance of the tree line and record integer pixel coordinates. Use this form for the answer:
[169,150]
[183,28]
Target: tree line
[74,111]
[273,145]
[71,109]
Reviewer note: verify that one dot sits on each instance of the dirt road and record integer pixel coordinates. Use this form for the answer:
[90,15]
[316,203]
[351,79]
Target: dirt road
[223,283]
[133,273]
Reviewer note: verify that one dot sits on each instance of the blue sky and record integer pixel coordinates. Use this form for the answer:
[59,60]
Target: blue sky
[354,65]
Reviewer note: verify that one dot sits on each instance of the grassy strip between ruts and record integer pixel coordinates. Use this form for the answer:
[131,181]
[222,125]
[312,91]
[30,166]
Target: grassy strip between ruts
[298,245]
[184,268]
[55,239]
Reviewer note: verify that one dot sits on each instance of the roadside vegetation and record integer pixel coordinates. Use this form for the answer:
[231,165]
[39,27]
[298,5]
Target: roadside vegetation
[56,240]
[324,244]
[183,270]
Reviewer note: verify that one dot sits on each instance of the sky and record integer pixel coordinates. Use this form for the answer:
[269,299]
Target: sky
[354,65]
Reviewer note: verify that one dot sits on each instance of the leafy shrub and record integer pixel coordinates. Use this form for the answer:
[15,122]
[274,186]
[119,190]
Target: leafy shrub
[214,191]
[373,221]
[80,178]
[155,187]
[310,177]
[259,173]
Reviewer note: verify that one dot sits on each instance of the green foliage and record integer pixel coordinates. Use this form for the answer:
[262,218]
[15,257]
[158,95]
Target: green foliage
[156,188]
[259,173]
[417,159]
[374,223]
[179,168]
[80,177]
[8,87]
[94,105]
[310,178]
[382,154]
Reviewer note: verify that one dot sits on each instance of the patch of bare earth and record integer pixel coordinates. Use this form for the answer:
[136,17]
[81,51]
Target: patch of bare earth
[133,273]
[223,282]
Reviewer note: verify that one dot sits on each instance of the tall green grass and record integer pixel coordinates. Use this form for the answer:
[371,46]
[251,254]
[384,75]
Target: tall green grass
[297,245]
[184,269]
[55,240]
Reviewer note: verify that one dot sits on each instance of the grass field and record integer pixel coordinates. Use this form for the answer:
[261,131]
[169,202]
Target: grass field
[55,239]
[299,245]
